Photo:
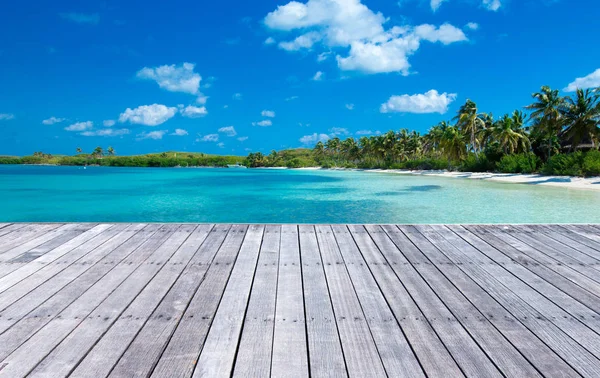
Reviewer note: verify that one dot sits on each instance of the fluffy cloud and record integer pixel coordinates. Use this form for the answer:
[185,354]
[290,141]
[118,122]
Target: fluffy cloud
[270,41]
[208,138]
[314,138]
[268,113]
[156,135]
[472,26]
[430,102]
[435,4]
[53,120]
[109,123]
[492,5]
[106,132]
[80,126]
[350,106]
[173,78]
[179,132]
[228,130]
[6,116]
[318,76]
[221,145]
[349,23]
[590,81]
[193,111]
[149,115]
[263,123]
[237,96]
[367,132]
[337,131]
[81,18]
[242,139]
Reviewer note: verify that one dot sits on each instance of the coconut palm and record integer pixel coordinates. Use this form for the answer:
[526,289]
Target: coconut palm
[332,146]
[319,150]
[546,114]
[471,123]
[111,151]
[582,116]
[454,143]
[509,134]
[98,152]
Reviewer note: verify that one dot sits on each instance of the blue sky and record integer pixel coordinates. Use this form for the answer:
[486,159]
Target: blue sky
[234,77]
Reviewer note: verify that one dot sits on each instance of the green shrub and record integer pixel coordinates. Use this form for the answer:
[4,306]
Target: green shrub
[477,164]
[565,165]
[519,163]
[591,163]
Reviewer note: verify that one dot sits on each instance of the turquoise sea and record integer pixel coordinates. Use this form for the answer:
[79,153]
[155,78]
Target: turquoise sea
[102,194]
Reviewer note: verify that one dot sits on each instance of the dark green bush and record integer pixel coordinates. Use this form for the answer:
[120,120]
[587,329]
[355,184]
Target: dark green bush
[591,163]
[519,163]
[477,164]
[565,165]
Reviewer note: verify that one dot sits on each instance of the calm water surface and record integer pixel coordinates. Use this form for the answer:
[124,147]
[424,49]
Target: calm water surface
[100,194]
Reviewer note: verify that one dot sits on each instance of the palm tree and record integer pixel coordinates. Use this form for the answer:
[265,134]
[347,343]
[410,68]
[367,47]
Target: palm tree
[509,134]
[319,151]
[546,114]
[333,148]
[79,150]
[453,143]
[111,151]
[98,152]
[471,123]
[582,117]
[273,157]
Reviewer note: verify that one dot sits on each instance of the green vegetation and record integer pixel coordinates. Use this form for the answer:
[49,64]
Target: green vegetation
[560,136]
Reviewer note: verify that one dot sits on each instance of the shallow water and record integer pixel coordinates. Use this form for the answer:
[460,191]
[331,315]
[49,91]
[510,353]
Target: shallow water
[102,194]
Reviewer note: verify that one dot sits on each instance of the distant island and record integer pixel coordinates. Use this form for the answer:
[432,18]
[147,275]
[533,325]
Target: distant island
[560,136]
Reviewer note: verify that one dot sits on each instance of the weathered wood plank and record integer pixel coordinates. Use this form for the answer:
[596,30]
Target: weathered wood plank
[429,349]
[15,230]
[325,355]
[360,350]
[396,354]
[143,353]
[494,283]
[290,355]
[170,259]
[181,354]
[218,353]
[256,345]
[35,235]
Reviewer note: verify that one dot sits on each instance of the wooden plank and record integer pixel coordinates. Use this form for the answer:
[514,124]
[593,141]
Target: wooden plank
[85,293]
[139,272]
[256,345]
[218,353]
[14,230]
[325,355]
[181,353]
[589,234]
[290,355]
[42,269]
[141,356]
[571,239]
[564,277]
[494,283]
[429,349]
[395,352]
[540,355]
[468,355]
[117,336]
[24,241]
[360,350]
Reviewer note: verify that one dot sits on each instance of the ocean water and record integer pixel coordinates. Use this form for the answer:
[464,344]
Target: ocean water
[102,194]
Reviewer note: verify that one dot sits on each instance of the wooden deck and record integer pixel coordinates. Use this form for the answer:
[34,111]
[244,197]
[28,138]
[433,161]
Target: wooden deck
[171,300]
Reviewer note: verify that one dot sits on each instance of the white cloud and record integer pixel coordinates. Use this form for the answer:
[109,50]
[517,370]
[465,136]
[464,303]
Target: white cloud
[221,145]
[106,132]
[336,131]
[590,81]
[268,113]
[318,76]
[179,132]
[472,26]
[323,56]
[367,132]
[305,41]
[445,34]
[208,138]
[191,111]
[81,18]
[350,106]
[349,23]
[237,96]
[53,120]
[149,115]
[492,5]
[263,123]
[435,4]
[292,98]
[173,78]
[228,130]
[6,116]
[242,139]
[201,99]
[430,102]
[80,126]
[314,138]
[270,41]
[109,123]
[156,135]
